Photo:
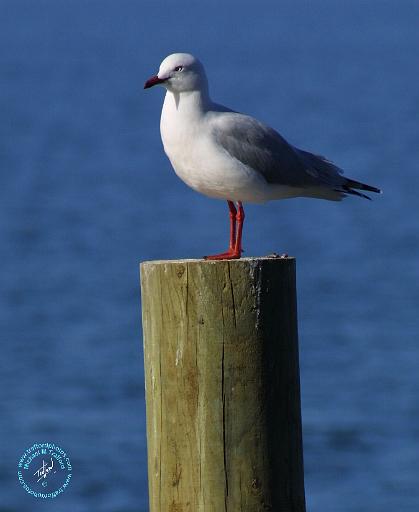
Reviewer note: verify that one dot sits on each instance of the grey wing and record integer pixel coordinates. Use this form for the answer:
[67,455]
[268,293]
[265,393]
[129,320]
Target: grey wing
[264,150]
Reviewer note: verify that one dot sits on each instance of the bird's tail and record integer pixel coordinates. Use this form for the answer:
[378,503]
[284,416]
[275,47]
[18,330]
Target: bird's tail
[349,186]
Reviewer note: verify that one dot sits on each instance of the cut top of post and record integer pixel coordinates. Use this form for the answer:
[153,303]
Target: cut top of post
[274,257]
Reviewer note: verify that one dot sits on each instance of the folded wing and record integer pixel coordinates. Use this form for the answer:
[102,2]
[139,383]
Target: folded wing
[266,152]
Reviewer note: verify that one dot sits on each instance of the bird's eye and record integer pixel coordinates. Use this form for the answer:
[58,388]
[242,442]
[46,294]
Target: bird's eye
[179,68]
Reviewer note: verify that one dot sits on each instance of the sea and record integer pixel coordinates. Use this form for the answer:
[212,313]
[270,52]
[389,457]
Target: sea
[86,194]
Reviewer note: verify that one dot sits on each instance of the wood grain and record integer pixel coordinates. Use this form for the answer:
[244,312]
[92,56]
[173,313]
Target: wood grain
[222,386]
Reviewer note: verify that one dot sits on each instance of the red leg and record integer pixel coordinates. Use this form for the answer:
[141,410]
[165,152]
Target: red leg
[240,220]
[233,214]
[234,249]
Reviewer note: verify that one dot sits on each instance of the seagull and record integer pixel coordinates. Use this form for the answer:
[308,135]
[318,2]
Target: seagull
[232,156]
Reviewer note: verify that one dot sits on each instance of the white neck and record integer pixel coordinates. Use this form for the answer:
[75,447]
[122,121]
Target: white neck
[190,103]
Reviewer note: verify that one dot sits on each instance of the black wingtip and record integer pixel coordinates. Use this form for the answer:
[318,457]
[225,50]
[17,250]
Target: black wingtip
[361,186]
[353,192]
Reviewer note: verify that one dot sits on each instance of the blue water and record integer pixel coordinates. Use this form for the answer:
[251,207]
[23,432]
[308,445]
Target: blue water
[87,193]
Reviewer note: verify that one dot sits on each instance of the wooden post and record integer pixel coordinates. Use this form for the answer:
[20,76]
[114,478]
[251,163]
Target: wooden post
[222,386]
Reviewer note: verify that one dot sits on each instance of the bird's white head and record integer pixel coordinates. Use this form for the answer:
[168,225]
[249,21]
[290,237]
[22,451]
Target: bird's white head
[180,72]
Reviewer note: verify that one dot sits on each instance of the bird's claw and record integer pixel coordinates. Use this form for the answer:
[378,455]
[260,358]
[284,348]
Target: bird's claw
[228,255]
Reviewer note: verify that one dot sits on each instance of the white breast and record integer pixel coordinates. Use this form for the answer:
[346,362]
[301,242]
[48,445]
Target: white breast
[200,162]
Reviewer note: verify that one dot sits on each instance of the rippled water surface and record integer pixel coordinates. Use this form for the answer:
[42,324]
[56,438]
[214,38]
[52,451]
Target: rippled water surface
[87,193]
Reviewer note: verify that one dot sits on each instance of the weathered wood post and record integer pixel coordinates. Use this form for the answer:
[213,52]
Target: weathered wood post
[222,386]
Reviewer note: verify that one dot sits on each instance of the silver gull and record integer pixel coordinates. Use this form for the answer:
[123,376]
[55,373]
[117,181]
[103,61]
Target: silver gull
[228,155]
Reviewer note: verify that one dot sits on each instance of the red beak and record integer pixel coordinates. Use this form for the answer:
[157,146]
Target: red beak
[154,80]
